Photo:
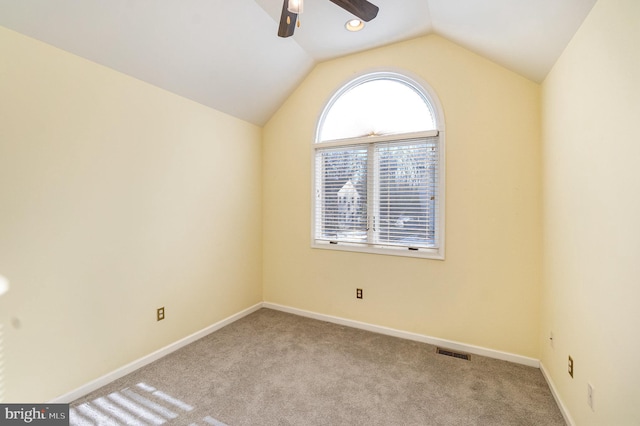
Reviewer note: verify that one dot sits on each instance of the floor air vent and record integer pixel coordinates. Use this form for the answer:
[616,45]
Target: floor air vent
[453,354]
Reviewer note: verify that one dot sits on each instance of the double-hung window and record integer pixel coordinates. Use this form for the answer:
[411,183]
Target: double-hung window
[378,170]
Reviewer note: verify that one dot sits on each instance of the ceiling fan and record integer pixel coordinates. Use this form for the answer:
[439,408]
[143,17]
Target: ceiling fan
[292,8]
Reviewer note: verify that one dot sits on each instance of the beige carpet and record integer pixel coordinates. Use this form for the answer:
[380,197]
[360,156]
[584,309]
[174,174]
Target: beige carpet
[273,368]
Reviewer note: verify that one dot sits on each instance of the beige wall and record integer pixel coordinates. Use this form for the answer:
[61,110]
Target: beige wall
[112,204]
[116,198]
[486,292]
[591,216]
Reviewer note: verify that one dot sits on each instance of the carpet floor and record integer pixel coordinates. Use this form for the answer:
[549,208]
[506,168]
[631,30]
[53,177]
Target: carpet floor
[274,368]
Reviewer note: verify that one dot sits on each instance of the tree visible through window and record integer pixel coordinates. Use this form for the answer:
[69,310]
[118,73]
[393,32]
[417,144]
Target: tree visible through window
[378,170]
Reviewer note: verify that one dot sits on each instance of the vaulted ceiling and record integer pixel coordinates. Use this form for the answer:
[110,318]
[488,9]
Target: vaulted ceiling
[226,54]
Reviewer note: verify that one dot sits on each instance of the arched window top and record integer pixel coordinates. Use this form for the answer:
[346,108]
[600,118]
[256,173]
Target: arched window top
[376,105]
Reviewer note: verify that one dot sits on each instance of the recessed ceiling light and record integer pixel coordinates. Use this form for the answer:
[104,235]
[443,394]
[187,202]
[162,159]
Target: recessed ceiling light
[354,25]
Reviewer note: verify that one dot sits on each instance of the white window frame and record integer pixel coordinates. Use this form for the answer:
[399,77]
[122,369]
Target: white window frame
[424,90]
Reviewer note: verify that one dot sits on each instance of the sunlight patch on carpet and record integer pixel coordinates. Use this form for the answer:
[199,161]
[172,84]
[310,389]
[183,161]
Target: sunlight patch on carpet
[142,406]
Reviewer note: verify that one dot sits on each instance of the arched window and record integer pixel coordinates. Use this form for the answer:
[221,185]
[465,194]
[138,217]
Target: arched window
[379,162]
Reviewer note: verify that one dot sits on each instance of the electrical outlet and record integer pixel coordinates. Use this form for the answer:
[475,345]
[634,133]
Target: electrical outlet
[358,293]
[571,366]
[160,314]
[590,395]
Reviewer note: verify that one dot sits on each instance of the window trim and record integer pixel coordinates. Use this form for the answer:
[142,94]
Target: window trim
[424,90]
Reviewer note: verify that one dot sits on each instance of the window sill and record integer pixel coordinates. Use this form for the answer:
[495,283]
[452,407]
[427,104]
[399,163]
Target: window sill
[423,253]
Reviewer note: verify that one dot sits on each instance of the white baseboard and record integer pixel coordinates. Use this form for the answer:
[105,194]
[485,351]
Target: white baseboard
[556,396]
[129,368]
[449,344]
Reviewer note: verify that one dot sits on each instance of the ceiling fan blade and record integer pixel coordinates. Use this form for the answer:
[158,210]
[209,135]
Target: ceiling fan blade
[287,21]
[361,8]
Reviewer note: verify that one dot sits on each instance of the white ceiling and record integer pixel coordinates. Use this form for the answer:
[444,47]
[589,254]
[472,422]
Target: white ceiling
[226,53]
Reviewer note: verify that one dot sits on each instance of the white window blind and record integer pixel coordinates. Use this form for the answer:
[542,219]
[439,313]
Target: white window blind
[406,189]
[378,193]
[341,207]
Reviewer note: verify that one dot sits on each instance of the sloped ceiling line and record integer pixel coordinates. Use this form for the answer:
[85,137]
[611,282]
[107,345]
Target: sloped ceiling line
[226,54]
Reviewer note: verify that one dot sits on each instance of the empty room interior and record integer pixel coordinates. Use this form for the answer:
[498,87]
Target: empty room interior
[170,154]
